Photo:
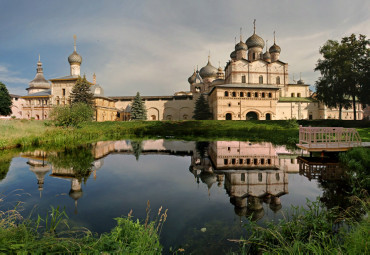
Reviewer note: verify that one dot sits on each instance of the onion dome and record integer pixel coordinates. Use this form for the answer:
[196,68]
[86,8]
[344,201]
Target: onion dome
[300,81]
[255,41]
[233,55]
[275,48]
[208,71]
[97,90]
[75,58]
[241,46]
[267,56]
[39,81]
[192,78]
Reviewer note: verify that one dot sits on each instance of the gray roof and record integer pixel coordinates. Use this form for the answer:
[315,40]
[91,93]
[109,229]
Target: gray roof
[40,94]
[245,85]
[69,77]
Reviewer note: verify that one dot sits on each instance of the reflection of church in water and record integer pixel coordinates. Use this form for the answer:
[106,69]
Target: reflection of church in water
[251,173]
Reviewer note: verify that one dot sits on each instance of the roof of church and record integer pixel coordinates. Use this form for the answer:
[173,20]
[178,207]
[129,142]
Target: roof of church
[245,85]
[45,93]
[69,77]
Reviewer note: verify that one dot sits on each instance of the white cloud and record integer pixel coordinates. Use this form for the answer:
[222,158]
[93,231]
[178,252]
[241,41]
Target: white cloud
[7,76]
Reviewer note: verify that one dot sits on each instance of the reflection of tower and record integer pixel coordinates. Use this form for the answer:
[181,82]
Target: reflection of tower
[76,191]
[208,179]
[40,169]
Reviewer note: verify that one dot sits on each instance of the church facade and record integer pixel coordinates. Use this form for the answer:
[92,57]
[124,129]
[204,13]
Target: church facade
[254,85]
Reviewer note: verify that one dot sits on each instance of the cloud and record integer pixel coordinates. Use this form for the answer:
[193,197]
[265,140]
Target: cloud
[7,76]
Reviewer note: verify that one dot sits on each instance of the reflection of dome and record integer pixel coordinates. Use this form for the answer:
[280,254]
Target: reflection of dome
[275,204]
[254,204]
[208,71]
[208,178]
[40,170]
[256,214]
[75,194]
[240,211]
[255,41]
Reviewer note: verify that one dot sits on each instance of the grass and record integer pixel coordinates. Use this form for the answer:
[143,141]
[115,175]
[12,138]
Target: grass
[24,133]
[52,235]
[317,229]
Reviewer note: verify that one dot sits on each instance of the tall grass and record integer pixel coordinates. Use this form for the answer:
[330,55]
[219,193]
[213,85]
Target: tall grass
[52,235]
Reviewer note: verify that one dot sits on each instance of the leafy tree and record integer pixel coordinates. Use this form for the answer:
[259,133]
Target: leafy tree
[5,100]
[344,73]
[138,109]
[71,116]
[81,92]
[202,111]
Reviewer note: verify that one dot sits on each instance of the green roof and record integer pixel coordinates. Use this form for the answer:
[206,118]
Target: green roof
[296,99]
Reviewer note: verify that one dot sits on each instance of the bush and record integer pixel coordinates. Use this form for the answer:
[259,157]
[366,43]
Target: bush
[71,116]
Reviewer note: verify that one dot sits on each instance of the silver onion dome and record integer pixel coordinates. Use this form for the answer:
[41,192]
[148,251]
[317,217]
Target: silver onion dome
[233,55]
[255,41]
[208,71]
[275,48]
[241,46]
[267,56]
[192,78]
[75,58]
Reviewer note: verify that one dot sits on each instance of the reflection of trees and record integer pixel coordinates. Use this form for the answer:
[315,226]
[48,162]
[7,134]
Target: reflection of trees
[78,159]
[6,157]
[136,148]
[202,148]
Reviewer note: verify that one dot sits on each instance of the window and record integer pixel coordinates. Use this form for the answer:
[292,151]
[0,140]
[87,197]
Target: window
[263,94]
[243,79]
[310,117]
[292,95]
[64,92]
[229,104]
[249,94]
[233,161]
[268,116]
[292,161]
[242,177]
[234,94]
[255,161]
[255,94]
[298,94]
[228,148]
[259,177]
[278,80]
[270,95]
[225,161]
[240,161]
[254,55]
[262,161]
[260,79]
[248,161]
[277,176]
[226,94]
[241,94]
[269,161]
[185,117]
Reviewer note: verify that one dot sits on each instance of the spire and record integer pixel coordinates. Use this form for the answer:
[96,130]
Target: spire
[241,39]
[254,26]
[75,38]
[39,58]
[39,66]
[94,78]
[266,45]
[274,37]
[209,56]
[235,40]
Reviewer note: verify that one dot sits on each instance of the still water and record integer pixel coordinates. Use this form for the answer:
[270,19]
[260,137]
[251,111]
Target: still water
[209,188]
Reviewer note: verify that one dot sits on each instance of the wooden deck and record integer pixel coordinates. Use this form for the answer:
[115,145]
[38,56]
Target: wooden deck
[330,139]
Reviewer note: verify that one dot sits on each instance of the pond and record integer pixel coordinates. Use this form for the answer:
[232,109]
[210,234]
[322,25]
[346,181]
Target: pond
[210,189]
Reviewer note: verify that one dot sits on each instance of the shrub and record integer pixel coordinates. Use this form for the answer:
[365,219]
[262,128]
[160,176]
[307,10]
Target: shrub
[71,116]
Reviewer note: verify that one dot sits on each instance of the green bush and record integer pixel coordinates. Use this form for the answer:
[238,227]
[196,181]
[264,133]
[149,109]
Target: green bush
[71,116]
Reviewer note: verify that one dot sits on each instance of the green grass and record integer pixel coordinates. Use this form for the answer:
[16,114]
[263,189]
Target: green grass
[24,133]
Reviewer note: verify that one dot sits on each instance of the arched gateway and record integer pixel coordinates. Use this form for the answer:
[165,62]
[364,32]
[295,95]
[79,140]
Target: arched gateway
[252,116]
[228,116]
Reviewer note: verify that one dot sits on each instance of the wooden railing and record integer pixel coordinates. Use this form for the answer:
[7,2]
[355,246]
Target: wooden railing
[329,136]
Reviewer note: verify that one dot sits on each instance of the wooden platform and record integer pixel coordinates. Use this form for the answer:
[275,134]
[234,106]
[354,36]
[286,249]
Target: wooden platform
[330,139]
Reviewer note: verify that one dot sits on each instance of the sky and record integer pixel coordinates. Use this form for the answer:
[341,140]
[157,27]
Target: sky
[153,46]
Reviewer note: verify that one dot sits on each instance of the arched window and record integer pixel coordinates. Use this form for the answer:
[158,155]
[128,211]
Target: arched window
[263,94]
[259,177]
[298,94]
[260,79]
[249,94]
[292,95]
[268,116]
[185,117]
[254,56]
[255,94]
[228,116]
[234,94]
[241,94]
[278,80]
[226,94]
[270,95]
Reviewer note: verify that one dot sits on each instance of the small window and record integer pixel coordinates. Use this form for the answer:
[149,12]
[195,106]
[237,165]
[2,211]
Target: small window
[255,161]
[310,117]
[292,161]
[243,79]
[234,94]
[242,177]
[225,161]
[260,79]
[270,95]
[262,161]
[229,104]
[64,92]
[185,117]
[241,94]
[292,95]
[226,94]
[233,161]
[263,94]
[277,176]
[240,161]
[255,94]
[259,177]
[269,161]
[249,94]
[228,148]
[254,56]
[298,94]
[278,80]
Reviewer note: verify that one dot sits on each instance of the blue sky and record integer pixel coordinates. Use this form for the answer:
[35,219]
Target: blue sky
[153,46]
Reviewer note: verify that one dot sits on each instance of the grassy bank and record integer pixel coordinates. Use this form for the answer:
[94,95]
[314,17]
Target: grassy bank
[24,133]
[319,229]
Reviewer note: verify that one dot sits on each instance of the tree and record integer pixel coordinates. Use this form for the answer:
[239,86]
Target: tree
[81,92]
[202,111]
[5,101]
[345,72]
[72,116]
[138,109]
